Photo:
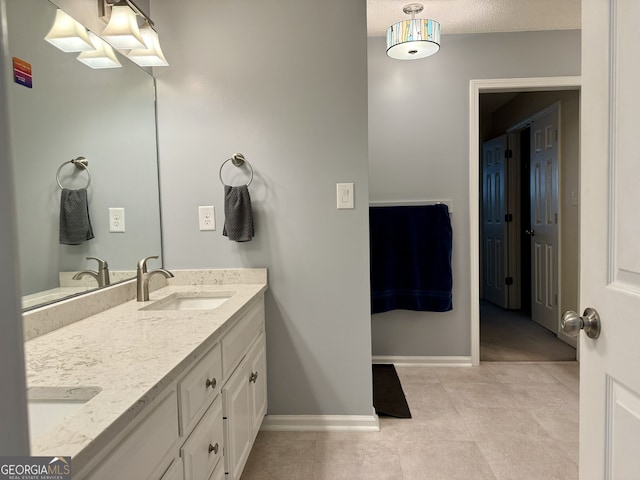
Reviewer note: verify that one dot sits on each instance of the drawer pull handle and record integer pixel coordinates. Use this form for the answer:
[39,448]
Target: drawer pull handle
[253,377]
[213,448]
[211,383]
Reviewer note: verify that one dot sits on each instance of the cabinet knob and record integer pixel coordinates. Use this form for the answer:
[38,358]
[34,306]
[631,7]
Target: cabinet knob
[211,383]
[253,377]
[213,448]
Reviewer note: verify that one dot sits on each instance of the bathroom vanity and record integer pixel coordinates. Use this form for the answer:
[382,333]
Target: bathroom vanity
[173,388]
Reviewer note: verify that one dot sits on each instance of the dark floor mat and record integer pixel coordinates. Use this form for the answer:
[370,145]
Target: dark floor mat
[388,397]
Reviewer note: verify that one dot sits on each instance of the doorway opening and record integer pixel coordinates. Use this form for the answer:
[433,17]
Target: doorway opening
[518,125]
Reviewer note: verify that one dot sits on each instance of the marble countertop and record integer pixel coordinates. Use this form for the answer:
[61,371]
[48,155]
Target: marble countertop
[131,355]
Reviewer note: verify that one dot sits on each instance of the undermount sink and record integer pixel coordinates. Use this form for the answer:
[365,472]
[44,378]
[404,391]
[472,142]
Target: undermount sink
[191,301]
[47,406]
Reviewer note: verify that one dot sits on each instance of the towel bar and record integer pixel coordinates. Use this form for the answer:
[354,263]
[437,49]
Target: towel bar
[79,162]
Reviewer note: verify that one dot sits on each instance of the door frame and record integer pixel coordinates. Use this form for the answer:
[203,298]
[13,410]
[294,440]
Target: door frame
[476,87]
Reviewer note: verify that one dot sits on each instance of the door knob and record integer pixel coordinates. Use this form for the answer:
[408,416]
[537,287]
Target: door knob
[571,323]
[531,233]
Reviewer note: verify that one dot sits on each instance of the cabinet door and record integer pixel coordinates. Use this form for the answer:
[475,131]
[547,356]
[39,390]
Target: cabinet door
[258,380]
[175,471]
[148,449]
[236,397]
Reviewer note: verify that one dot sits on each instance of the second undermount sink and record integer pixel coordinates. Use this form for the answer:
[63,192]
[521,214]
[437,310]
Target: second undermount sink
[191,301]
[47,406]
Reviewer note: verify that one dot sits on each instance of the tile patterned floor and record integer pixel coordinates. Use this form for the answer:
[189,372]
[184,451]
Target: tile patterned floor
[498,421]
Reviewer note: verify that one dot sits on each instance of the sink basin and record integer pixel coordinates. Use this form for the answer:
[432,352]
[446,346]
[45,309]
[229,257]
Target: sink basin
[191,301]
[47,406]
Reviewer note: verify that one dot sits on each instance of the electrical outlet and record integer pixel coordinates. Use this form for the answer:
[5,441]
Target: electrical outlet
[116,220]
[207,218]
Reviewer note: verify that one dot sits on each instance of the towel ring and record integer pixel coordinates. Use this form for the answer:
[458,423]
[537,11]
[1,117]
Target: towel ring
[79,162]
[238,160]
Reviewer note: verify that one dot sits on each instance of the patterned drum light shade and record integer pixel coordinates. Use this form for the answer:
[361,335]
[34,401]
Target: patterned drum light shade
[413,39]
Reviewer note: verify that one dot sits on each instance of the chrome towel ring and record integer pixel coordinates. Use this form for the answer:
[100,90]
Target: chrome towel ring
[238,160]
[79,162]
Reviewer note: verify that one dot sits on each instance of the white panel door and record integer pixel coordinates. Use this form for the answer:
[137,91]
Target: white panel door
[494,227]
[610,240]
[544,221]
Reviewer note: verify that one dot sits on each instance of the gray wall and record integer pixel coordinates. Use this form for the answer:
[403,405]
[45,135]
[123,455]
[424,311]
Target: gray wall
[419,149]
[286,85]
[13,406]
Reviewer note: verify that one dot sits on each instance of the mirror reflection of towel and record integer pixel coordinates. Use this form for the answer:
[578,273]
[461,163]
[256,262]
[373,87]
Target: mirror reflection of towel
[238,216]
[75,225]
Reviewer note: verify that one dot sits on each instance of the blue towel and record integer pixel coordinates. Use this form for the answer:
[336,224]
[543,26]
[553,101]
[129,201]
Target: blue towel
[410,248]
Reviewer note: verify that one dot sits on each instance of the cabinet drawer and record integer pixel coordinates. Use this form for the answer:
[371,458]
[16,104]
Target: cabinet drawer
[198,388]
[147,448]
[236,343]
[203,449]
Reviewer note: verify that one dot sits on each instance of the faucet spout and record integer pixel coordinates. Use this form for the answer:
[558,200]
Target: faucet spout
[101,276]
[143,276]
[86,273]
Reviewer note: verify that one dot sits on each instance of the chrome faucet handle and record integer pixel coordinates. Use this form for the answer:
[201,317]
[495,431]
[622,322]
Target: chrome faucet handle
[142,264]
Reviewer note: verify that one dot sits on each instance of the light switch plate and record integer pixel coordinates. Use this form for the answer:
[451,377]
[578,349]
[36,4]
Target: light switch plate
[344,192]
[116,220]
[207,218]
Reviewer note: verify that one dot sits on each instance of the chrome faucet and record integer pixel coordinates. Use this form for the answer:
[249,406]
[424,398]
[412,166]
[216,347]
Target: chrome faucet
[142,278]
[101,276]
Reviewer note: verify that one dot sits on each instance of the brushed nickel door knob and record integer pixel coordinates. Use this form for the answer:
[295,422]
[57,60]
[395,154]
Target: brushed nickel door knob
[572,323]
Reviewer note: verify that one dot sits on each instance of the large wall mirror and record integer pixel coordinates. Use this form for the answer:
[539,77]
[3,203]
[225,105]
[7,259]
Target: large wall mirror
[104,115]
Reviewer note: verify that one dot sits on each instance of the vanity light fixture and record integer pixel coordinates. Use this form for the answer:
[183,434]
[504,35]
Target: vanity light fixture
[68,35]
[124,33]
[122,30]
[151,56]
[415,38]
[102,57]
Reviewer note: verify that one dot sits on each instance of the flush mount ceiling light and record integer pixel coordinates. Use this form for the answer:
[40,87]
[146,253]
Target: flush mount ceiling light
[102,57]
[152,55]
[122,30]
[415,38]
[68,35]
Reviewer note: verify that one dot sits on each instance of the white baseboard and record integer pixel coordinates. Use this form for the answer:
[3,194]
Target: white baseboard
[429,361]
[321,423]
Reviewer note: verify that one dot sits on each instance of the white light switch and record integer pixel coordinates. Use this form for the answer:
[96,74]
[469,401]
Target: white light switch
[116,220]
[207,218]
[344,192]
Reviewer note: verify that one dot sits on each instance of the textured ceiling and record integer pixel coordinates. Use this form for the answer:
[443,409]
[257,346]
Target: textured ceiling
[479,16]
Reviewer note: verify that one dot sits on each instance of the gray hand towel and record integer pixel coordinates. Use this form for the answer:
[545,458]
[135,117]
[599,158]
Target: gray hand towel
[238,217]
[75,225]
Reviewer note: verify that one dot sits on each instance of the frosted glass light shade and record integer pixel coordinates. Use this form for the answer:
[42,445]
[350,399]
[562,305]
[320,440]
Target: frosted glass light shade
[102,57]
[68,35]
[412,39]
[151,56]
[122,30]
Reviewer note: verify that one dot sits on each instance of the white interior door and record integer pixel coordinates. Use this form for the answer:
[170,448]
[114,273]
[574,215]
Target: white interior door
[494,227]
[544,221]
[610,239]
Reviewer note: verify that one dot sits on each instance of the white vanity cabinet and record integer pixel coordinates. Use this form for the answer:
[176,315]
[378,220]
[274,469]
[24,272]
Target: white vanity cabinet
[237,368]
[244,399]
[212,410]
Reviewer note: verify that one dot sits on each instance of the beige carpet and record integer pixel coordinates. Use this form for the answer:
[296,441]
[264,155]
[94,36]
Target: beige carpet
[511,336]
